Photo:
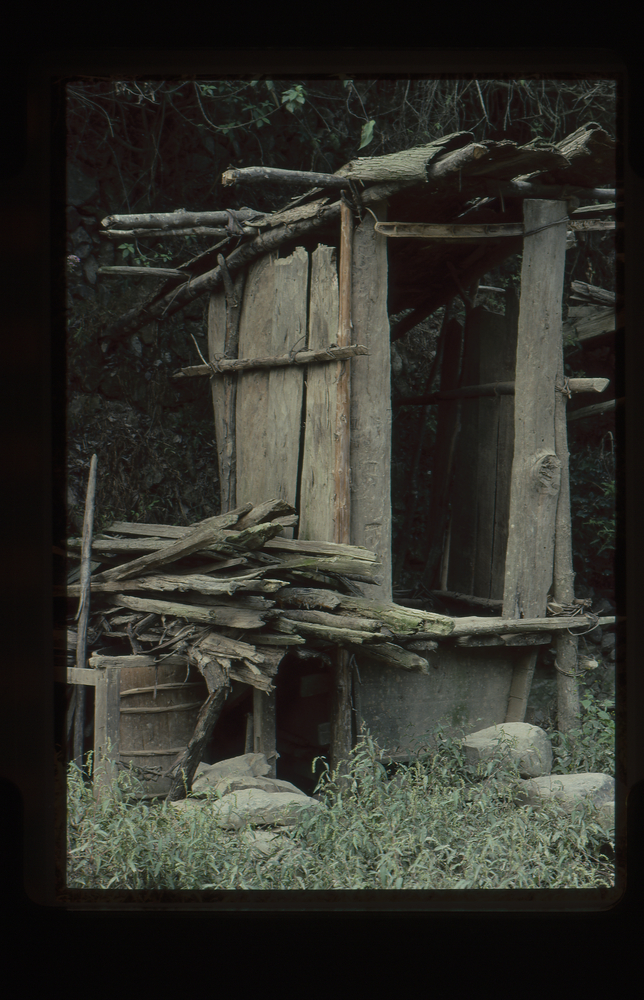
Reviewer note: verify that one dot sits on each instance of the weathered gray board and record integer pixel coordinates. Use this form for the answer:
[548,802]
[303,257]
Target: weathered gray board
[269,402]
[481,490]
[317,484]
[371,400]
[536,468]
[468,688]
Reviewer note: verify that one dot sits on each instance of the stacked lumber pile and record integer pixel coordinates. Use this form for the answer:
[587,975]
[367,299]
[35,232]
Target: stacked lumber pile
[232,595]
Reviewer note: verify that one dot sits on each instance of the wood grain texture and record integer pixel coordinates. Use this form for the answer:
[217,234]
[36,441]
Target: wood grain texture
[536,469]
[255,338]
[269,402]
[317,488]
[371,400]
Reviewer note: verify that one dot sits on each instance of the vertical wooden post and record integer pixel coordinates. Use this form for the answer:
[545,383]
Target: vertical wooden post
[371,412]
[341,706]
[82,614]
[536,468]
[107,726]
[568,707]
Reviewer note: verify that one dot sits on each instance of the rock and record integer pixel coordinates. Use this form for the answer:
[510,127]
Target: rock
[81,189]
[608,641]
[528,747]
[90,267]
[569,789]
[595,635]
[253,806]
[233,783]
[249,765]
[81,242]
[604,607]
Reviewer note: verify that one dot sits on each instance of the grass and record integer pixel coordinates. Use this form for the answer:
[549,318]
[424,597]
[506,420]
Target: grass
[439,823]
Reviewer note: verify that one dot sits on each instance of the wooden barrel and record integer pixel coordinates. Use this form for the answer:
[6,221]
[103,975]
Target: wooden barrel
[158,713]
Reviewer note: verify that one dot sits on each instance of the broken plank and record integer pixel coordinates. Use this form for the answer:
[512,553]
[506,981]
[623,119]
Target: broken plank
[335,621]
[308,597]
[322,548]
[389,653]
[177,530]
[335,635]
[233,617]
[198,582]
[266,511]
[199,538]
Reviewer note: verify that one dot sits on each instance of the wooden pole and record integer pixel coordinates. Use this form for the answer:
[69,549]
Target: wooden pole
[568,707]
[341,708]
[536,467]
[82,615]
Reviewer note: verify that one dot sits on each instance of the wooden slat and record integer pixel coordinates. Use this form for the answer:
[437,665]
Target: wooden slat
[317,487]
[216,346]
[269,402]
[255,337]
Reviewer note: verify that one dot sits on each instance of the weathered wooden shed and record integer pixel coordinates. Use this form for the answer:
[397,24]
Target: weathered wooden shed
[299,362]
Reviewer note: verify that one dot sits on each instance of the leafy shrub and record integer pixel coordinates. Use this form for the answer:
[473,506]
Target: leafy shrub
[591,748]
[592,503]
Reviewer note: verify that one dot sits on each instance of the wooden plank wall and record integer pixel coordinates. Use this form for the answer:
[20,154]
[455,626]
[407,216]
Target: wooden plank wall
[317,486]
[269,401]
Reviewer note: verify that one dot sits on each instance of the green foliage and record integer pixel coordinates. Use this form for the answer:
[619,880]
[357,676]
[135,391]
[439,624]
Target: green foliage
[591,747]
[152,258]
[366,135]
[592,504]
[293,97]
[439,823]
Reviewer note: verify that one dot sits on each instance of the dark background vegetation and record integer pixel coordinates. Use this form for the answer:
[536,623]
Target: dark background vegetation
[139,146]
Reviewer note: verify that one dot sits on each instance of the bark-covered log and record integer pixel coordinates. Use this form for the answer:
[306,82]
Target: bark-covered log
[301,358]
[498,389]
[400,620]
[119,234]
[295,178]
[145,272]
[179,219]
[409,165]
[301,222]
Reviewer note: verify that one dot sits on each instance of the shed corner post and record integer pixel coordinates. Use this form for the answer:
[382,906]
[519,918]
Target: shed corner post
[536,466]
